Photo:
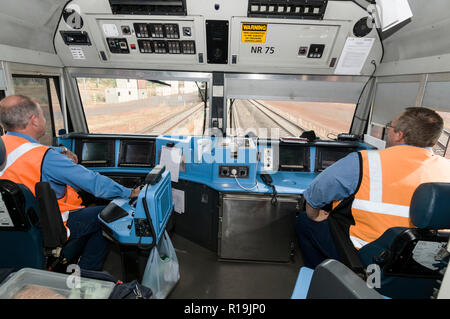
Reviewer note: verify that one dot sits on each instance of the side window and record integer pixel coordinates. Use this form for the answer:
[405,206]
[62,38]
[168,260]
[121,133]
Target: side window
[441,148]
[43,91]
[443,145]
[2,95]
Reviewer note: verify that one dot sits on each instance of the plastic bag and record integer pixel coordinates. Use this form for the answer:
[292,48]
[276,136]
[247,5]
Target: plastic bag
[162,269]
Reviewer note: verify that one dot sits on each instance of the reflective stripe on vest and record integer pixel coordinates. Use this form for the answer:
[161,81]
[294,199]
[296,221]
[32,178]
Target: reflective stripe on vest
[376,179]
[381,208]
[389,179]
[375,204]
[17,153]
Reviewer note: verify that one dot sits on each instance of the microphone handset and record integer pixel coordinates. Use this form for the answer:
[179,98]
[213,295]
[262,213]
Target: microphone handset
[267,179]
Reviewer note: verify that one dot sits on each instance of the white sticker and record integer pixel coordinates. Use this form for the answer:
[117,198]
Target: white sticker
[218,90]
[393,12]
[5,219]
[178,200]
[354,55]
[110,30]
[171,157]
[77,53]
[424,253]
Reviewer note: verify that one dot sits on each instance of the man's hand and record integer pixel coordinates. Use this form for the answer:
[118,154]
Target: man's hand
[69,154]
[316,214]
[135,192]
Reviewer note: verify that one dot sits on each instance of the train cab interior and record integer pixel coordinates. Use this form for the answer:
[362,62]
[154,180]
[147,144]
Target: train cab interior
[225,111]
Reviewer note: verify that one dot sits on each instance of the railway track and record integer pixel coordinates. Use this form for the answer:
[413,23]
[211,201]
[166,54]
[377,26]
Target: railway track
[235,119]
[172,121]
[264,118]
[293,128]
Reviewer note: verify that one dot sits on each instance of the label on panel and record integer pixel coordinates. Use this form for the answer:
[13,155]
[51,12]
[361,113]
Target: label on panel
[178,200]
[254,32]
[110,30]
[77,53]
[354,55]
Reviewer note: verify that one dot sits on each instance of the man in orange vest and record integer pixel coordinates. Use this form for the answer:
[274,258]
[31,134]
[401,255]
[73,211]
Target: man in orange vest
[382,183]
[29,162]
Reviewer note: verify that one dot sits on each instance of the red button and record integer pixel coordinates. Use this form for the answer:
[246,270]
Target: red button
[133,46]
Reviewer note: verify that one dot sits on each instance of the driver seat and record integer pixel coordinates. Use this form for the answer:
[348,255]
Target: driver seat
[32,233]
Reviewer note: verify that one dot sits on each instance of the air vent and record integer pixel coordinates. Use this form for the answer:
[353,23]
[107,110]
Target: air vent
[149,7]
[288,9]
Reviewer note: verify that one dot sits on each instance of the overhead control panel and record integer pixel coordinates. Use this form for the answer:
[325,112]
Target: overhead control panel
[257,36]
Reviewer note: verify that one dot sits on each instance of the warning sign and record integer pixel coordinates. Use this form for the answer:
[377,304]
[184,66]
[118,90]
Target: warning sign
[254,32]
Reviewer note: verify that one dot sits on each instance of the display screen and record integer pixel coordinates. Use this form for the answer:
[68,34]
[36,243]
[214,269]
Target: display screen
[136,154]
[328,156]
[93,152]
[294,158]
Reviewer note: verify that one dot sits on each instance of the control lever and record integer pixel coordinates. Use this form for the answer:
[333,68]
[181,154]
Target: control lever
[133,200]
[153,177]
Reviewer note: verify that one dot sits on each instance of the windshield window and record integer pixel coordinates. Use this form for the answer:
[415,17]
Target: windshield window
[132,106]
[265,118]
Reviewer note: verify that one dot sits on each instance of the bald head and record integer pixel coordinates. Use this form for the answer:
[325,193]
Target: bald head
[16,112]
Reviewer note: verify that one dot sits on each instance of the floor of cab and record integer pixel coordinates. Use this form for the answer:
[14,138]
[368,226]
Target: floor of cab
[204,276]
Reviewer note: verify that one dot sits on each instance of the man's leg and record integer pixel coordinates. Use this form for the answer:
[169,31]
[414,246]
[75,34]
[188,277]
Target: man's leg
[85,227]
[315,241]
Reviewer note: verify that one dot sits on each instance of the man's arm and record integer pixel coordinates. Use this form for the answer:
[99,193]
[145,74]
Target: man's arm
[337,182]
[59,170]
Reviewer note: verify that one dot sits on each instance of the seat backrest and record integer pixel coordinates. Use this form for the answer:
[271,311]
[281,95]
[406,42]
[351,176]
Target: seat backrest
[20,233]
[430,206]
[333,280]
[20,236]
[2,154]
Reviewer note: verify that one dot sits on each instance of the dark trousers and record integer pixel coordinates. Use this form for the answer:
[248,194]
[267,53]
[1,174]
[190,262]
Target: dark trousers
[86,233]
[315,241]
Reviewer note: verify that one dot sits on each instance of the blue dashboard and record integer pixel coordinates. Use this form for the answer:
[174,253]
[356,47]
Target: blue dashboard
[226,164]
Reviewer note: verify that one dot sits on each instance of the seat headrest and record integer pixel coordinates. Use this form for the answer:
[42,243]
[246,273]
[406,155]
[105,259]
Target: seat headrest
[430,206]
[2,153]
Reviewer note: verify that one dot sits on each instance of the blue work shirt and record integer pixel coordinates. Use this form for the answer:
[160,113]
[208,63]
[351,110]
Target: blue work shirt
[59,170]
[336,182]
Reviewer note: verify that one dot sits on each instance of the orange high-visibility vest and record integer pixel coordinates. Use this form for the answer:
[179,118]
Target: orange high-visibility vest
[23,166]
[389,179]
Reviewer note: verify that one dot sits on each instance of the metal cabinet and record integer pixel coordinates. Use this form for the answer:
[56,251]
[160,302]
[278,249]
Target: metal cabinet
[252,228]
